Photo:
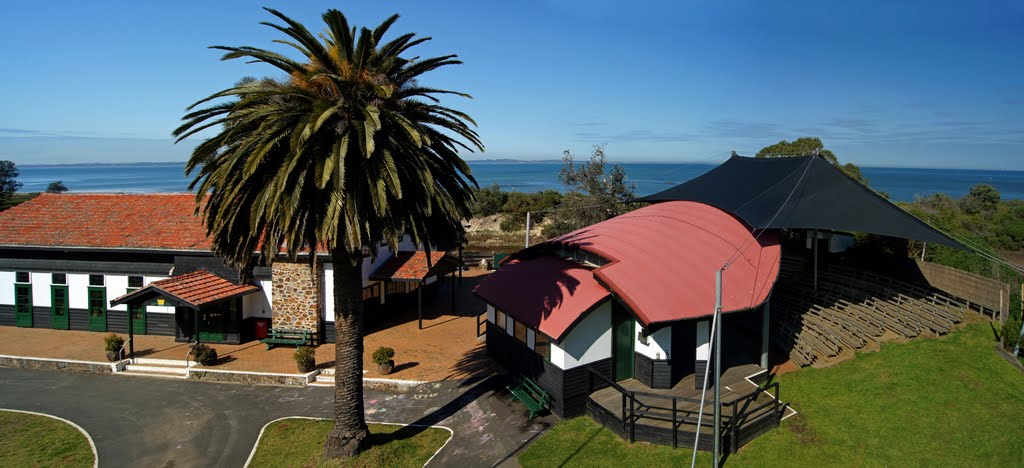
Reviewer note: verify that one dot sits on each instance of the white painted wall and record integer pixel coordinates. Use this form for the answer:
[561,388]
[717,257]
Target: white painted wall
[659,343]
[490,313]
[7,287]
[703,340]
[40,289]
[258,304]
[328,289]
[156,309]
[78,290]
[117,286]
[589,341]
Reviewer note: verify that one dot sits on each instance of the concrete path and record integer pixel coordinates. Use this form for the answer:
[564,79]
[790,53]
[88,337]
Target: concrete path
[172,423]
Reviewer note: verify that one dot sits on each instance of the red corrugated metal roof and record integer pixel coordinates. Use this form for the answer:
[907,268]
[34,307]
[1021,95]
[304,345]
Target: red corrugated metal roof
[150,221]
[414,265]
[196,288]
[546,293]
[663,259]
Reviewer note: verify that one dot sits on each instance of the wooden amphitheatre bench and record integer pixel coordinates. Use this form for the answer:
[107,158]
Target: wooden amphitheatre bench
[534,397]
[287,336]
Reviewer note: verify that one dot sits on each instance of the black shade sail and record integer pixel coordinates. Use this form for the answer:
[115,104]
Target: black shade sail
[800,193]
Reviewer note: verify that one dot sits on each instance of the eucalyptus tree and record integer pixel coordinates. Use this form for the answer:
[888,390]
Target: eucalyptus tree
[346,152]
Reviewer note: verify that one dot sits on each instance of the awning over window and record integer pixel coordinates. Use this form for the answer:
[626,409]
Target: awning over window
[415,266]
[545,292]
[191,289]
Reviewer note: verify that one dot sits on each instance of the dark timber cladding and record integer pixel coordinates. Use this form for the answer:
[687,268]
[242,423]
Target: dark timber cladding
[568,388]
[654,373]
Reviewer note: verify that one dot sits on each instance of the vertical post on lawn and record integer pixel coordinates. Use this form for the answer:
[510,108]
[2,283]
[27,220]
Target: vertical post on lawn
[1016,347]
[764,332]
[527,228]
[718,367]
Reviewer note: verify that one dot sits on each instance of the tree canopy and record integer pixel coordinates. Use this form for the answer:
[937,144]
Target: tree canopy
[809,146]
[347,152]
[8,180]
[595,191]
[56,186]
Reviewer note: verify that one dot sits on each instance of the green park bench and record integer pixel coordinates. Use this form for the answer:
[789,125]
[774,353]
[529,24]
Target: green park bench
[287,336]
[534,397]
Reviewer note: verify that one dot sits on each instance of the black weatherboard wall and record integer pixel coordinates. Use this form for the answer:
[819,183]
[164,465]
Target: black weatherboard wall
[654,373]
[567,388]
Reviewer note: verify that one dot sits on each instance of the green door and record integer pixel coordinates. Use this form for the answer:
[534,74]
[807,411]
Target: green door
[23,305]
[98,309]
[59,307]
[211,325]
[622,343]
[138,315]
[138,319]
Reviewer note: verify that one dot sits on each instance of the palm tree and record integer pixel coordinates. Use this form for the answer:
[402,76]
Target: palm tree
[346,153]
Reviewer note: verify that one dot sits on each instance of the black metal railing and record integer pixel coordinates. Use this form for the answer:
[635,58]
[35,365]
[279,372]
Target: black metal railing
[637,406]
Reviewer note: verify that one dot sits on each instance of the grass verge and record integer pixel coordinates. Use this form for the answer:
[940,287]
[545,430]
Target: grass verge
[300,442]
[948,401]
[39,441]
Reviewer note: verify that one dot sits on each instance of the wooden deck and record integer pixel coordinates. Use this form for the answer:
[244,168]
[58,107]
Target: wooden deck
[670,416]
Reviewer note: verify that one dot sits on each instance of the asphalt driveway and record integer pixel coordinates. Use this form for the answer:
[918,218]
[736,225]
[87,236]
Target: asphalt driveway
[177,423]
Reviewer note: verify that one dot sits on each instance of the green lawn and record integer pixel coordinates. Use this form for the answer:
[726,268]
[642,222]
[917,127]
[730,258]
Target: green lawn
[33,440]
[300,442]
[949,401]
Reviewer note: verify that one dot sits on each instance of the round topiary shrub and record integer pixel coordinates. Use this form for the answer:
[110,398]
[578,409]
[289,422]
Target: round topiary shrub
[384,358]
[112,344]
[204,354]
[305,358]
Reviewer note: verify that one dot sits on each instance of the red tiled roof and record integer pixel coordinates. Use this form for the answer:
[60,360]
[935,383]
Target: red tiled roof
[149,221]
[546,293]
[196,288]
[413,265]
[663,258]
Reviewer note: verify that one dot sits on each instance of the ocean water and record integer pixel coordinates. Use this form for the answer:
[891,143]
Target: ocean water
[902,184]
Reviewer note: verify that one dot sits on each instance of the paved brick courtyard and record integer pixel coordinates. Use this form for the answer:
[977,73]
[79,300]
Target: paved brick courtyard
[446,348]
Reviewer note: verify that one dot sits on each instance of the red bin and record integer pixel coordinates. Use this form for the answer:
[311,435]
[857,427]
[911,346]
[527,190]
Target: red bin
[262,326]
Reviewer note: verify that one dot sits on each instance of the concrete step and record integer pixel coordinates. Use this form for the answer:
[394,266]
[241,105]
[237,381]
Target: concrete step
[158,369]
[163,362]
[161,375]
[318,383]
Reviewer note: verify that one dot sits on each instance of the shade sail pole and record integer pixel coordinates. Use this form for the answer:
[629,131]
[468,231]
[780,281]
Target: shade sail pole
[707,371]
[718,367]
[527,228]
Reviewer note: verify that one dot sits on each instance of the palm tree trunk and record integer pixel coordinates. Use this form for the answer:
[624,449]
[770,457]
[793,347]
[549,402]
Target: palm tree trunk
[347,438]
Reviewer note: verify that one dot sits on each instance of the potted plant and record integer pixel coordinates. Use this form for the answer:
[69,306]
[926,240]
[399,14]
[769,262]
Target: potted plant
[305,357]
[204,354]
[383,357]
[112,344]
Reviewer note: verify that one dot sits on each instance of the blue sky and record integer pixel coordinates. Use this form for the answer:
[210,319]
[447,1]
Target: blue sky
[912,84]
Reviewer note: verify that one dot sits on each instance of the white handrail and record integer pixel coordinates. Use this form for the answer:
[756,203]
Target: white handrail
[120,352]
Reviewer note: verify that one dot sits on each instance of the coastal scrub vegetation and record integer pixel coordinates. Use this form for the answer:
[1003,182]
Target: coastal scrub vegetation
[594,191]
[347,151]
